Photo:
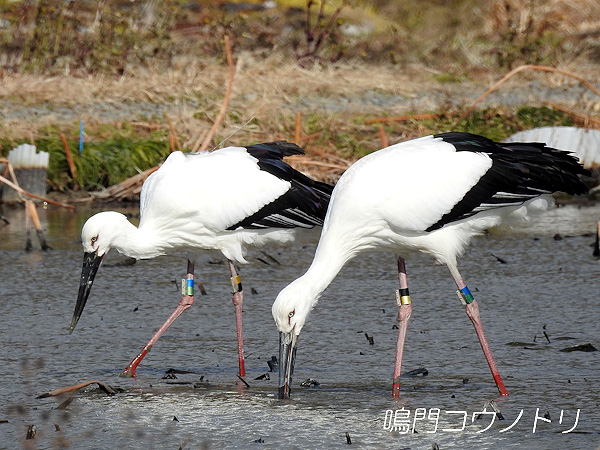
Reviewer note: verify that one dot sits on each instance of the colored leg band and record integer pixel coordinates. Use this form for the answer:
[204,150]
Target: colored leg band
[402,297]
[236,283]
[189,288]
[465,293]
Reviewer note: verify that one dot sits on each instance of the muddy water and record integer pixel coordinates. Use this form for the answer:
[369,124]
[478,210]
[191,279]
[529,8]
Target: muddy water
[546,285]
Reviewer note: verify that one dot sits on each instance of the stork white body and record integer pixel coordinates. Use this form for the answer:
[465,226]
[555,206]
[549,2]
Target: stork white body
[228,200]
[188,205]
[429,195]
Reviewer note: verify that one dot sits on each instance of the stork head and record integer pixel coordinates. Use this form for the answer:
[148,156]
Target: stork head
[101,230]
[290,311]
[97,237]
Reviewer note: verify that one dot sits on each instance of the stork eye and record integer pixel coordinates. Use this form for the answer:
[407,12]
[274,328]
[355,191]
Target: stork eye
[94,239]
[290,315]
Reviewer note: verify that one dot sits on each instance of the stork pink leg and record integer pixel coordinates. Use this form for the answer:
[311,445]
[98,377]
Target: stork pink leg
[404,312]
[238,300]
[186,301]
[473,313]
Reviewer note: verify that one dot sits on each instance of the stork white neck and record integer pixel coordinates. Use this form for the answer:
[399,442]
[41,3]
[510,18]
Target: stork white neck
[139,243]
[302,294]
[111,229]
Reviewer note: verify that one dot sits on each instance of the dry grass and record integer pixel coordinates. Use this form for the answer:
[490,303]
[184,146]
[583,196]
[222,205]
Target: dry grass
[391,70]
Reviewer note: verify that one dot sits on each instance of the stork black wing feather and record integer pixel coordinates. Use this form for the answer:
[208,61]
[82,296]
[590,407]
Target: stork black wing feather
[303,205]
[519,172]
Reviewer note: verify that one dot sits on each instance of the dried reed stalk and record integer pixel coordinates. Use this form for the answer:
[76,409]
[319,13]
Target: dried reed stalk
[310,162]
[199,141]
[298,128]
[384,139]
[173,135]
[29,194]
[514,72]
[404,118]
[133,184]
[308,138]
[68,155]
[580,119]
[225,104]
[125,188]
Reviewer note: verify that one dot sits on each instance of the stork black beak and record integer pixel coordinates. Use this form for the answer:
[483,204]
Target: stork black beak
[287,358]
[91,262]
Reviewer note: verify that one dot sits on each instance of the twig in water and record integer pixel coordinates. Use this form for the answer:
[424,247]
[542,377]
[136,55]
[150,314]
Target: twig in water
[244,381]
[35,219]
[105,387]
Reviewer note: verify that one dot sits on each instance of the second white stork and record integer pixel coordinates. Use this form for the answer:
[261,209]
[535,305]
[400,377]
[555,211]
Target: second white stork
[429,195]
[227,200]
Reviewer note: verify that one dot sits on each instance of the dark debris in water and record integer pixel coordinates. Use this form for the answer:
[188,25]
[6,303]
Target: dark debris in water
[177,371]
[243,381]
[273,364]
[270,258]
[201,383]
[309,382]
[421,371]
[520,344]
[581,348]
[264,376]
[31,432]
[491,404]
[370,339]
[122,263]
[500,260]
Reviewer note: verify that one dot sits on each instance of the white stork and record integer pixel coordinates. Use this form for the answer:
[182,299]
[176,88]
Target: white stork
[429,195]
[226,200]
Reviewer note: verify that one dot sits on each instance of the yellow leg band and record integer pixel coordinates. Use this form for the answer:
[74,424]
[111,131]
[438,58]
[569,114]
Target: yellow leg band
[236,283]
[402,297]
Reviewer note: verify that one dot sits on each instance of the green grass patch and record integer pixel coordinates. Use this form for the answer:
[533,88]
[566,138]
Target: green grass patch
[103,162]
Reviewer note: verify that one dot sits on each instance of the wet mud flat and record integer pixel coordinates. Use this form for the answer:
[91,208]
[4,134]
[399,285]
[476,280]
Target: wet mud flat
[539,308]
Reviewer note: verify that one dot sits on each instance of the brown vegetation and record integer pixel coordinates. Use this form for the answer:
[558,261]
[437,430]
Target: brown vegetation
[126,68]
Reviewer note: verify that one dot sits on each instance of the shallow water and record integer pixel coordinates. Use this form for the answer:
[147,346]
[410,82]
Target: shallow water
[545,283]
